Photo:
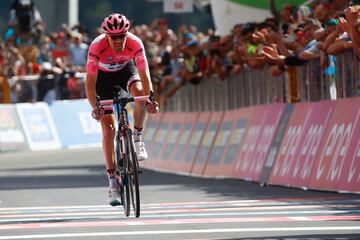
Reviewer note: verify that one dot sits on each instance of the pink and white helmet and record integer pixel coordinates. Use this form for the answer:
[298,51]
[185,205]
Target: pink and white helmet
[115,24]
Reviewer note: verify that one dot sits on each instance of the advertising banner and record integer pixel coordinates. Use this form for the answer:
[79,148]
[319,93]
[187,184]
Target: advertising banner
[12,137]
[165,134]
[276,143]
[195,140]
[178,6]
[158,141]
[300,144]
[150,129]
[258,138]
[206,144]
[177,158]
[176,121]
[74,124]
[336,167]
[222,158]
[38,126]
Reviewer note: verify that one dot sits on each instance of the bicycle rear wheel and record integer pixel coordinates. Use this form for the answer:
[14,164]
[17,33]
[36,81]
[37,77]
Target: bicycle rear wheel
[133,167]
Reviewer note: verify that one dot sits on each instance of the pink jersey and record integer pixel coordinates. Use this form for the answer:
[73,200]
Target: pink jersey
[101,56]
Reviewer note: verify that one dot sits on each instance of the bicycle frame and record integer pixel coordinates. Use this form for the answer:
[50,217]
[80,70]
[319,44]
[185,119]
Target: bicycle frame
[126,159]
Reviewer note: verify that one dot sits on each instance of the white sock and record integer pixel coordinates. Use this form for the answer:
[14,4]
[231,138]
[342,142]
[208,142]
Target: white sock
[113,183]
[137,134]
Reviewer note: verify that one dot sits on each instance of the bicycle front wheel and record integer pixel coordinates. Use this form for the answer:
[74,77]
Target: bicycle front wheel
[123,175]
[133,170]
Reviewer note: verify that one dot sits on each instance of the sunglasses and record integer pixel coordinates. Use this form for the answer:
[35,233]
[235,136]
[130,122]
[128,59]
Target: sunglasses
[118,37]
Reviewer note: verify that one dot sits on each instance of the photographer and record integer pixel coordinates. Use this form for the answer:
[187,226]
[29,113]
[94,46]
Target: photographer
[26,20]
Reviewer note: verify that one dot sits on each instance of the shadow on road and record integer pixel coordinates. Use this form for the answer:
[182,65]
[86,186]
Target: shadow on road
[304,237]
[95,176]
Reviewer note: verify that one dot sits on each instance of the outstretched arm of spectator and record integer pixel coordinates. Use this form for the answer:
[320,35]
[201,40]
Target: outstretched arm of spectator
[308,55]
[273,9]
[352,21]
[219,68]
[272,55]
[332,37]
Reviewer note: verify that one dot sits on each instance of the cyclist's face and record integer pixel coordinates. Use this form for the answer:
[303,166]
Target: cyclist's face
[117,42]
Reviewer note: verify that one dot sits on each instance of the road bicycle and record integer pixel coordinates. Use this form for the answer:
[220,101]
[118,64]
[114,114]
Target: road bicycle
[125,155]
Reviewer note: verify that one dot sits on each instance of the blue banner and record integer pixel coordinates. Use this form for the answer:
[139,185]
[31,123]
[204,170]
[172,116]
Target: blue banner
[38,126]
[74,124]
[12,136]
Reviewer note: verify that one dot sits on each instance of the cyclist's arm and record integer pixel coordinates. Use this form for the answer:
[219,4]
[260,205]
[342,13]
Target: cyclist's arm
[90,89]
[145,80]
[91,75]
[143,69]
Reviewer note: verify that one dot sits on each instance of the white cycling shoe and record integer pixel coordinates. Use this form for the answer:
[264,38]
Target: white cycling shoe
[114,198]
[141,151]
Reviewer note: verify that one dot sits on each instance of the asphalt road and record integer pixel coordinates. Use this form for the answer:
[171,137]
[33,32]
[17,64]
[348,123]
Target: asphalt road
[62,195]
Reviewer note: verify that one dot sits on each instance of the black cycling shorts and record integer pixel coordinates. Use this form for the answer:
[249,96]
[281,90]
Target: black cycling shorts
[106,81]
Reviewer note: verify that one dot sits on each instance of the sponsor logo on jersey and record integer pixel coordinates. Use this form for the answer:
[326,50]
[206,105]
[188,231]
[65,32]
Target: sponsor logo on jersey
[138,51]
[103,50]
[94,56]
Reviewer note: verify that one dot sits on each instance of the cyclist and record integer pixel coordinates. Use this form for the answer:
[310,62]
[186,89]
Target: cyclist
[117,58]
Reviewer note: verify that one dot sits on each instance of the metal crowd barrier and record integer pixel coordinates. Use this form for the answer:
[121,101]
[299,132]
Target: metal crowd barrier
[28,84]
[252,87]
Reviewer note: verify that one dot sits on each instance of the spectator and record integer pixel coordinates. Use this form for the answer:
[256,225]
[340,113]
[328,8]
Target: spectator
[350,23]
[73,87]
[25,18]
[78,52]
[195,63]
[46,84]
[177,71]
[60,49]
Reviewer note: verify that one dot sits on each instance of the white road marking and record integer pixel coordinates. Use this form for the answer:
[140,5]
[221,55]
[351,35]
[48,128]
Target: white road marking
[115,215]
[278,202]
[188,231]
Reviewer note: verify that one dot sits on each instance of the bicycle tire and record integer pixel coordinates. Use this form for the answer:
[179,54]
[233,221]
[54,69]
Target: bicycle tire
[133,167]
[126,181]
[124,188]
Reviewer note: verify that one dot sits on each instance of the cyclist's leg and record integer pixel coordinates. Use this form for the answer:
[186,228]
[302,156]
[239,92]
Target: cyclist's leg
[104,89]
[139,110]
[134,87]
[108,134]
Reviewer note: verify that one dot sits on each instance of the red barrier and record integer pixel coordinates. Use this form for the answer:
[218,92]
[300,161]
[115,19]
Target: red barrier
[160,140]
[173,137]
[201,158]
[222,157]
[300,143]
[336,167]
[151,126]
[258,137]
[192,149]
[187,129]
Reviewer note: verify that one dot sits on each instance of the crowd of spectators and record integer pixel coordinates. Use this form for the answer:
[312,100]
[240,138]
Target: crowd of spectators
[291,37]
[40,66]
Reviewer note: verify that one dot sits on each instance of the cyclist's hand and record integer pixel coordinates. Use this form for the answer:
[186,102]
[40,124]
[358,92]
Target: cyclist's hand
[97,113]
[152,107]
